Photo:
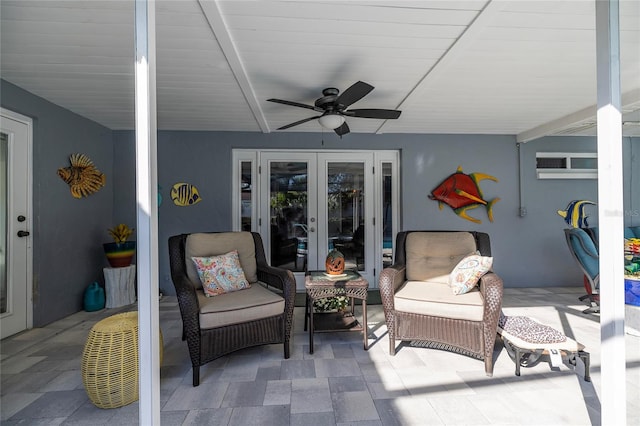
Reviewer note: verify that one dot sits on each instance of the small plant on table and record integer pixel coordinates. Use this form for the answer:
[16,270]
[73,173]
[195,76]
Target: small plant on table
[331,304]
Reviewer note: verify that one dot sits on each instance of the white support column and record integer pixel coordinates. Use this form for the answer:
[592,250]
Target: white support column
[147,212]
[610,215]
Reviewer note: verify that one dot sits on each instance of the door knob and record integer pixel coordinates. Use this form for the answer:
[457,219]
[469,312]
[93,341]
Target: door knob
[23,234]
[312,229]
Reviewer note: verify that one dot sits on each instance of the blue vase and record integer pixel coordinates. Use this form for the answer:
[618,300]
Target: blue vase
[94,298]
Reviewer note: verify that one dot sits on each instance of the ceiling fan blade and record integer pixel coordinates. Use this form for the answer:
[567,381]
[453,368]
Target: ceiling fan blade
[295,104]
[342,130]
[354,93]
[385,114]
[298,122]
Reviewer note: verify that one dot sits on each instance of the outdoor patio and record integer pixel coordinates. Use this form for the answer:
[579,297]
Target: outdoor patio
[340,384]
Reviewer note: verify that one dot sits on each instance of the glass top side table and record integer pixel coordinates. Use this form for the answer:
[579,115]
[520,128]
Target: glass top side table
[320,285]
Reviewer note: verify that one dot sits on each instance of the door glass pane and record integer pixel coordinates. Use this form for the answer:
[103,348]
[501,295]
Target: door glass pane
[345,211]
[288,207]
[4,154]
[387,216]
[246,189]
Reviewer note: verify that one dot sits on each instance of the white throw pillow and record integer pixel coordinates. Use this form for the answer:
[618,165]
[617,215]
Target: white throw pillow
[468,271]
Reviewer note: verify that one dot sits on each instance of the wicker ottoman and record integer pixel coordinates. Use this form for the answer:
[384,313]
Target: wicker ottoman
[110,361]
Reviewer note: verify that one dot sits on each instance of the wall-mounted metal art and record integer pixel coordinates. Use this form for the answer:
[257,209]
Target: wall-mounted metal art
[82,176]
[461,192]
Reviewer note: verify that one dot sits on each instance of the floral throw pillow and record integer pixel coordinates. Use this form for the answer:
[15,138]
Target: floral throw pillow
[221,274]
[468,271]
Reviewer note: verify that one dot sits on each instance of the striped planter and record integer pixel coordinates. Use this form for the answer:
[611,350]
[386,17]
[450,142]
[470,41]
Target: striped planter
[120,255]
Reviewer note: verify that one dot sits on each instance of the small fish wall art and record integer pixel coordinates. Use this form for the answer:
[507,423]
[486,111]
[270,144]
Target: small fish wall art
[82,176]
[461,192]
[575,214]
[185,194]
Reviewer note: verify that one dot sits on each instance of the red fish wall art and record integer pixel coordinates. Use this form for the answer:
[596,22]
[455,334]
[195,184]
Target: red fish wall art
[461,192]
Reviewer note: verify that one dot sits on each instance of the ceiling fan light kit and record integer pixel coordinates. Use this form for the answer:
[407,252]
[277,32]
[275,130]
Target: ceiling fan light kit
[331,121]
[333,108]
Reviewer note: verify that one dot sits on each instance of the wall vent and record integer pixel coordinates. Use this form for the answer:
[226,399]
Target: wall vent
[567,165]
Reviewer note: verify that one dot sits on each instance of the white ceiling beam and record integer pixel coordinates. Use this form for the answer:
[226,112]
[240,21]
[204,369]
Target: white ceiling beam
[455,51]
[216,21]
[630,99]
[586,114]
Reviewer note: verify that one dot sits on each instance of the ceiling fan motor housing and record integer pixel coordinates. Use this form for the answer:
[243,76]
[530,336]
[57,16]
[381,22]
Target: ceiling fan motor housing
[326,102]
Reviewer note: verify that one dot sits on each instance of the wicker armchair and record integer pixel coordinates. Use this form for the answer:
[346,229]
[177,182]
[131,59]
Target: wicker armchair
[216,326]
[420,307]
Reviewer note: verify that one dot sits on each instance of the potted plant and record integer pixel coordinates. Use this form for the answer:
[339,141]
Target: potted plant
[632,271]
[331,304]
[120,252]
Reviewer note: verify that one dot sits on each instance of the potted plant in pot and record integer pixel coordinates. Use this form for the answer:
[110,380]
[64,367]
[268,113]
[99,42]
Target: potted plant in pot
[331,304]
[120,252]
[632,271]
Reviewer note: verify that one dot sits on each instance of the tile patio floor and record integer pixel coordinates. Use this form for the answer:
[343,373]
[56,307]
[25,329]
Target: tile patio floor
[340,384]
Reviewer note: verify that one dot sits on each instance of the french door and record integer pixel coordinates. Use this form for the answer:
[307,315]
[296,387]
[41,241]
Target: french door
[15,223]
[304,204]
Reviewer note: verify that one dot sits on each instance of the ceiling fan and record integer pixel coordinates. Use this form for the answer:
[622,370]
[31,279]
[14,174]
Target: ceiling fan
[333,107]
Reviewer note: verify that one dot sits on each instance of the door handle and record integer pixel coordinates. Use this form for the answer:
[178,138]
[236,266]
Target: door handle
[23,234]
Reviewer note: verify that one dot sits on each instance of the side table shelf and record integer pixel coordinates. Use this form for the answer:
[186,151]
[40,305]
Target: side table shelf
[319,286]
[335,321]
[119,285]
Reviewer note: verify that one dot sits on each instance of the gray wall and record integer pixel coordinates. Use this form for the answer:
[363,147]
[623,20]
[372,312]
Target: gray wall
[529,250]
[540,249]
[67,233]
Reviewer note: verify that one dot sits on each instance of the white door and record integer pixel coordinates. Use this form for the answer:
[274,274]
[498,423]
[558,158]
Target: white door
[313,202]
[15,223]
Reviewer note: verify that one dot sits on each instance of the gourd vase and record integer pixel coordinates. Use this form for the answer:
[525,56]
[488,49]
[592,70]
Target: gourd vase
[334,263]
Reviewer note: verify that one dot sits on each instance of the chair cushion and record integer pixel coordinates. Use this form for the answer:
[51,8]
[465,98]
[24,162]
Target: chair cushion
[529,330]
[221,274]
[241,306]
[434,298]
[434,254]
[628,233]
[214,244]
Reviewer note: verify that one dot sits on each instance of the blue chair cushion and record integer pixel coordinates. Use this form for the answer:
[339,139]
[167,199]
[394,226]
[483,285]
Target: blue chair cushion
[629,233]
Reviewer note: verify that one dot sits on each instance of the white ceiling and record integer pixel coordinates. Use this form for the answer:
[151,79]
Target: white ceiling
[525,68]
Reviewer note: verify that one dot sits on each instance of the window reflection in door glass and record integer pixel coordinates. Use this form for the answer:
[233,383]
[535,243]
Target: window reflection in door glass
[4,144]
[288,218]
[246,188]
[345,212]
[387,216]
